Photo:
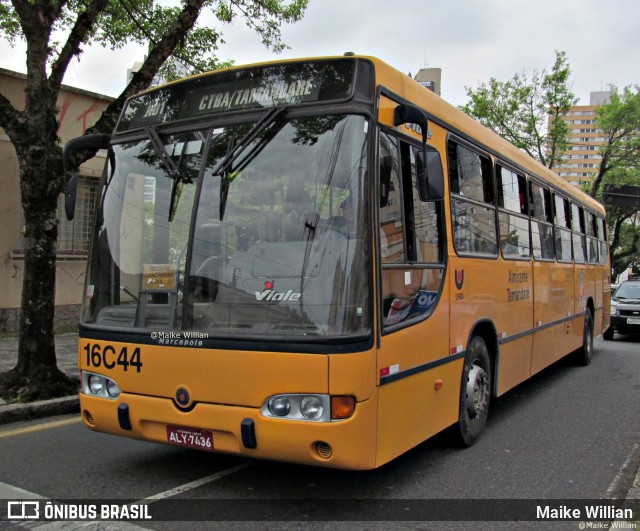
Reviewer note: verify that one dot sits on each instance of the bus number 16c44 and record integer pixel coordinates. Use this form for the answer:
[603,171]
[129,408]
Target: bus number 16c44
[108,357]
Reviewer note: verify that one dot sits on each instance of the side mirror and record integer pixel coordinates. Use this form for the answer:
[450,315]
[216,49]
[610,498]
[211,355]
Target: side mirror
[81,143]
[431,188]
[70,191]
[430,176]
[410,114]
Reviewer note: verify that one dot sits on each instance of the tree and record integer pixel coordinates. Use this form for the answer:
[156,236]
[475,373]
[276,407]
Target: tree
[55,32]
[618,123]
[528,113]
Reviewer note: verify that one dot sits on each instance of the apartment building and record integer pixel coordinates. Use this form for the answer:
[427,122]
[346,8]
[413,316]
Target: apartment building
[580,162]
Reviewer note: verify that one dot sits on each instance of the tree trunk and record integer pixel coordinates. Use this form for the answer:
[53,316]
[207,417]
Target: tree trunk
[36,375]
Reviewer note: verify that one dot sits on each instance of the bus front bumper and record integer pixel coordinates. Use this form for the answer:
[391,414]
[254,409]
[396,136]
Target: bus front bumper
[243,431]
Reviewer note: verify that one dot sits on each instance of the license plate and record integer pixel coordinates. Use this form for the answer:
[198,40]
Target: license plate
[633,321]
[190,437]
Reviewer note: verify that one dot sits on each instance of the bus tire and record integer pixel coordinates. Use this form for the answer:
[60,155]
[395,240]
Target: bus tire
[475,392]
[585,353]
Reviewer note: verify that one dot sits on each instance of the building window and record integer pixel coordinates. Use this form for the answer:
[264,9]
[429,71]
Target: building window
[74,236]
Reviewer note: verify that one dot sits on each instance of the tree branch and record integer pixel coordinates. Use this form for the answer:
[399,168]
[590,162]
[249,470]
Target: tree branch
[82,27]
[158,55]
[10,118]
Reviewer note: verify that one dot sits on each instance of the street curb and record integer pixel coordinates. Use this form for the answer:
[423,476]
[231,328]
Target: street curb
[34,410]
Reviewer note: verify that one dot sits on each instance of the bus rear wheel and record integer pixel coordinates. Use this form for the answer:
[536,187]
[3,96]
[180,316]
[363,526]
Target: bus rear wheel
[475,392]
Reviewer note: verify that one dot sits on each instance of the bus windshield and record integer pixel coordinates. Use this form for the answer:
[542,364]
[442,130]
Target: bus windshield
[249,231]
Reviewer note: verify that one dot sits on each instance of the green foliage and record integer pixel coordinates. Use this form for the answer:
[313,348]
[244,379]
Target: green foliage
[618,122]
[145,22]
[9,22]
[527,112]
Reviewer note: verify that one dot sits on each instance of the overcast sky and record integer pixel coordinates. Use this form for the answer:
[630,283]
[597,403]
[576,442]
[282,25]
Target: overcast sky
[470,40]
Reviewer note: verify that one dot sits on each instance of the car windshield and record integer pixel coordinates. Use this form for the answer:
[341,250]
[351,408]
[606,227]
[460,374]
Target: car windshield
[629,290]
[268,242]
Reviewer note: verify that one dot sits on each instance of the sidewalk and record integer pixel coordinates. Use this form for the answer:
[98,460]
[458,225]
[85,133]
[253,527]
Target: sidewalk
[67,357]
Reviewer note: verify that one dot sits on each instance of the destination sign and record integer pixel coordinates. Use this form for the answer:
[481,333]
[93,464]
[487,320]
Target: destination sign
[242,89]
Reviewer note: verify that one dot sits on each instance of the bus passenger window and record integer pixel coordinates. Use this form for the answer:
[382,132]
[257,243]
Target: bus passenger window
[562,229]
[541,219]
[602,241]
[591,238]
[579,238]
[514,222]
[472,210]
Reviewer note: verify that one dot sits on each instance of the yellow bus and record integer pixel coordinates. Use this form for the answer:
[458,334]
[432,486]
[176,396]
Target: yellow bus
[320,261]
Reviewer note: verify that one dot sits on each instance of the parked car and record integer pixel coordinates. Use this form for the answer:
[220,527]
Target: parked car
[625,309]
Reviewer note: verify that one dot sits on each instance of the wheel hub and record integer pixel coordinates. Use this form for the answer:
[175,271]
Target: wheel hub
[477,391]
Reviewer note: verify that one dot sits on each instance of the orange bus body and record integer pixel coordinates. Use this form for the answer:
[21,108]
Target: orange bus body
[407,384]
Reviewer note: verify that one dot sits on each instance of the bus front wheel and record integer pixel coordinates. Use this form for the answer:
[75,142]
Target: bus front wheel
[475,392]
[585,353]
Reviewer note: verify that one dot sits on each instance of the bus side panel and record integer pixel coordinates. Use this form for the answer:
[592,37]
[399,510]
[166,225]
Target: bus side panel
[601,284]
[474,296]
[596,275]
[513,315]
[554,297]
[415,408]
[514,364]
[410,409]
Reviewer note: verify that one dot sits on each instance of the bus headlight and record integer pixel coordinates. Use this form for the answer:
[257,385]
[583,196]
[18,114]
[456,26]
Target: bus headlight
[98,385]
[112,389]
[310,408]
[280,406]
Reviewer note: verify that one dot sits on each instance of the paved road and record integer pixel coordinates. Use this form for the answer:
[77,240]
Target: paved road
[568,433]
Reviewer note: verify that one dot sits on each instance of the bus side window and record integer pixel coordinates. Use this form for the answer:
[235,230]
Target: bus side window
[472,203]
[513,219]
[602,241]
[578,236]
[541,222]
[591,238]
[562,228]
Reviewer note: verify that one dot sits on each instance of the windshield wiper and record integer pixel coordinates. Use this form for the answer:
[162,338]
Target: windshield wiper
[225,164]
[172,168]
